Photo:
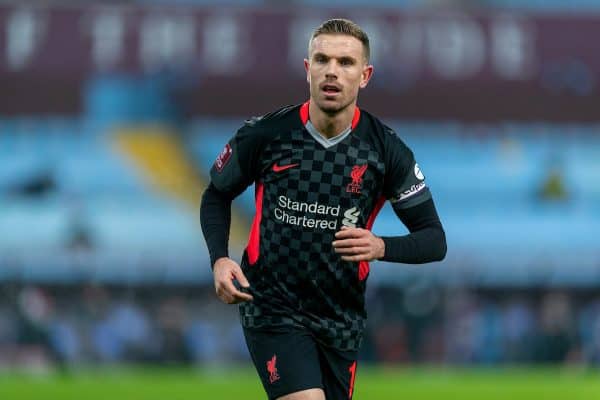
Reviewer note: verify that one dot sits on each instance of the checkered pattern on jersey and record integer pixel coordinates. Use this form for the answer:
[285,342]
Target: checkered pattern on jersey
[298,278]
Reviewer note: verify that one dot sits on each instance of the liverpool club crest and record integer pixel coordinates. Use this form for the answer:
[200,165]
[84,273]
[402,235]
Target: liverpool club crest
[356,174]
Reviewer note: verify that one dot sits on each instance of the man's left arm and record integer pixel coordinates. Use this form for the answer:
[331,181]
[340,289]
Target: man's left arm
[425,243]
[404,186]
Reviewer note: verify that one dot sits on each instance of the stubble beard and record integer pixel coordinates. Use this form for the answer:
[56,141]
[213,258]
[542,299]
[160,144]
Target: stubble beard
[333,110]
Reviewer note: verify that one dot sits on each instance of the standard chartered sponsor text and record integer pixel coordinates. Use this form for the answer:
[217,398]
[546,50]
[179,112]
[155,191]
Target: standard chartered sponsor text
[285,205]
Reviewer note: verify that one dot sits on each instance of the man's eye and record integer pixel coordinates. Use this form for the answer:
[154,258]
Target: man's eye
[346,62]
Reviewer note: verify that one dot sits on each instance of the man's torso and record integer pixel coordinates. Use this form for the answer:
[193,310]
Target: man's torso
[307,188]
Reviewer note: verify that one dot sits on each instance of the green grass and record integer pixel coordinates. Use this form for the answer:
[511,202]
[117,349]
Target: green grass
[371,383]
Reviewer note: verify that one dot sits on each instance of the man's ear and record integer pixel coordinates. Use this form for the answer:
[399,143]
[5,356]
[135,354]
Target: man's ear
[366,76]
[306,68]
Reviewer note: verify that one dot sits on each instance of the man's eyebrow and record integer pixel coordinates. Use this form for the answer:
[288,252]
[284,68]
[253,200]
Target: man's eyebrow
[341,58]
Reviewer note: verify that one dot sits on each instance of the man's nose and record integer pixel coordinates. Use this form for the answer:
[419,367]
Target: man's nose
[332,69]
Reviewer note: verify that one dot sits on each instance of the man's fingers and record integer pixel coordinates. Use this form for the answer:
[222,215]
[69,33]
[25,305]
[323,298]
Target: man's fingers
[241,297]
[232,291]
[353,250]
[350,233]
[236,297]
[225,272]
[362,242]
[356,244]
[357,257]
[224,296]
[240,277]
[229,294]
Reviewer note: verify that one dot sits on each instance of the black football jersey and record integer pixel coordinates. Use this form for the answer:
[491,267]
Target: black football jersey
[307,187]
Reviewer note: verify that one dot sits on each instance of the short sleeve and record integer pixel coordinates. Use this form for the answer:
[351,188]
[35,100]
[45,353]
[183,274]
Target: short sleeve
[404,184]
[237,166]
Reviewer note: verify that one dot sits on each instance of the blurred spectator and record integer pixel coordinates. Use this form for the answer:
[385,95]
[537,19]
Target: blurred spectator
[66,341]
[391,343]
[589,331]
[555,338]
[125,333]
[461,326]
[172,320]
[34,316]
[40,326]
[202,340]
[518,321]
[421,302]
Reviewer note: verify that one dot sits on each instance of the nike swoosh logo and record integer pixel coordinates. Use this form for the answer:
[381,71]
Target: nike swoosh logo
[279,168]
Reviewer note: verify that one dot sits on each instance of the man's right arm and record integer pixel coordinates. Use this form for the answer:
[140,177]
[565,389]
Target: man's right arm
[235,168]
[215,219]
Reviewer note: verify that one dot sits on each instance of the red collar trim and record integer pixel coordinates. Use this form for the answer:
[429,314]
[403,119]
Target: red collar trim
[304,115]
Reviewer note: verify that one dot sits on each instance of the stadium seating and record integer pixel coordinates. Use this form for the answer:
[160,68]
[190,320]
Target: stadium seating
[488,183]
[92,189]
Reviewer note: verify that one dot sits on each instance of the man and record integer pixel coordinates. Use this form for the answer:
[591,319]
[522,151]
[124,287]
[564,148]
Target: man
[322,171]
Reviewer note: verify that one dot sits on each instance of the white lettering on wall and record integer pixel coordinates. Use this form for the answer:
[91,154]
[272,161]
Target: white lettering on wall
[24,32]
[108,35]
[455,46]
[167,40]
[223,45]
[513,47]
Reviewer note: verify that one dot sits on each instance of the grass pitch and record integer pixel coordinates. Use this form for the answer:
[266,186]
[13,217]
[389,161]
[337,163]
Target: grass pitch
[241,383]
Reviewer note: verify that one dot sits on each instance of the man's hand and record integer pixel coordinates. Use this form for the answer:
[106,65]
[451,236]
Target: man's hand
[225,271]
[357,244]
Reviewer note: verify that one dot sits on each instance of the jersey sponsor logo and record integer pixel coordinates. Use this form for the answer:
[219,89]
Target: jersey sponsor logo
[351,217]
[280,168]
[357,173]
[223,158]
[418,173]
[272,369]
[288,211]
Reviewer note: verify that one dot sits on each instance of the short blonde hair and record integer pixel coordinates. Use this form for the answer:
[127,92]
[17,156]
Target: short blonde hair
[343,26]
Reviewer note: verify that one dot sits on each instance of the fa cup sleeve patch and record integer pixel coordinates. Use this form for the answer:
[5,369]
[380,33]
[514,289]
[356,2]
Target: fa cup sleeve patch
[223,158]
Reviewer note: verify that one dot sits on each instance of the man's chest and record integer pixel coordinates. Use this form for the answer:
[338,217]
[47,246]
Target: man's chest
[300,174]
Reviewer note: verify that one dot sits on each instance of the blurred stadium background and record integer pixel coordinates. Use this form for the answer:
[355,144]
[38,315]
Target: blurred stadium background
[111,114]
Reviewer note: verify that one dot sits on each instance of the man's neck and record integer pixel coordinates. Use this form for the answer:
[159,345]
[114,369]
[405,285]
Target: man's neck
[330,125]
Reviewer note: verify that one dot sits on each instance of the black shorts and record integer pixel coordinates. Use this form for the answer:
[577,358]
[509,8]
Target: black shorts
[289,359]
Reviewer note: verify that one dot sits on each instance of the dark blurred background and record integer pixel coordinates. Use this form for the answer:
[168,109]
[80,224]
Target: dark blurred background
[112,113]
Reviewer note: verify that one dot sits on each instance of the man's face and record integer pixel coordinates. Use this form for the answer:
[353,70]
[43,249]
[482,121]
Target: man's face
[336,70]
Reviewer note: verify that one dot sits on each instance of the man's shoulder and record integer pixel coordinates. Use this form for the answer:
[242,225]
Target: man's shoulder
[375,124]
[284,117]
[377,129]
